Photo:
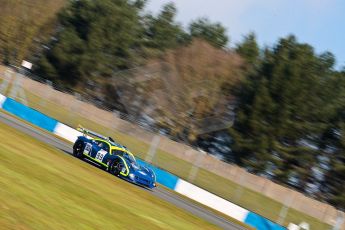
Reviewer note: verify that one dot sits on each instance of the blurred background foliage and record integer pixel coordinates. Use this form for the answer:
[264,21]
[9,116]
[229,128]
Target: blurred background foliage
[25,26]
[286,102]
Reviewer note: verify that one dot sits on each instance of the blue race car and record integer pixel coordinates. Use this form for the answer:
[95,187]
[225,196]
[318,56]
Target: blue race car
[115,158]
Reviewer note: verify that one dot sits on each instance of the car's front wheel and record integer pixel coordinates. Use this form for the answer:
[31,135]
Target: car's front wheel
[78,149]
[115,167]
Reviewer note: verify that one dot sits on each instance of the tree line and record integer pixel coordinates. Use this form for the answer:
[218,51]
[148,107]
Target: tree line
[288,100]
[118,34]
[290,118]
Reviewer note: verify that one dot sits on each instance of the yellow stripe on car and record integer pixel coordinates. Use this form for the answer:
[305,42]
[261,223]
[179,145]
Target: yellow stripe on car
[127,169]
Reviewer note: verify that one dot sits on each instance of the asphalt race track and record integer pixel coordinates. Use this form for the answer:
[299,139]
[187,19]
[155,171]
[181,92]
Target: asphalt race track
[160,192]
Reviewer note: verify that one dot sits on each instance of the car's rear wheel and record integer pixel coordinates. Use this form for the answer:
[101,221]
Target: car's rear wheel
[78,149]
[115,167]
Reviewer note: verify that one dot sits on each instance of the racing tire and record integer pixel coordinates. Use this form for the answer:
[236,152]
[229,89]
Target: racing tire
[115,167]
[78,149]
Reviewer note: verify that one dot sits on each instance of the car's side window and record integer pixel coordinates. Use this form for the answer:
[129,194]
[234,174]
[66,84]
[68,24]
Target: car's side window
[117,152]
[103,145]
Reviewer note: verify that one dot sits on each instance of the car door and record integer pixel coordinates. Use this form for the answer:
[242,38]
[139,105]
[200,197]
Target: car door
[89,148]
[100,151]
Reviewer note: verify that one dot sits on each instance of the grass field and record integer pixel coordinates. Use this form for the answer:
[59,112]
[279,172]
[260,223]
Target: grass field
[209,181]
[43,188]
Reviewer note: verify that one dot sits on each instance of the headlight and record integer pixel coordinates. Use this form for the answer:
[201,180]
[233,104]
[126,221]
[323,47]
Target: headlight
[131,176]
[134,166]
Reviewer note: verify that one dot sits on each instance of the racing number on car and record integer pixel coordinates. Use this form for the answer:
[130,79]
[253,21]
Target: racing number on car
[87,150]
[100,155]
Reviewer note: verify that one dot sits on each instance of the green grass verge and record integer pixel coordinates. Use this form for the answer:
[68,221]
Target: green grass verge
[221,186]
[183,197]
[43,188]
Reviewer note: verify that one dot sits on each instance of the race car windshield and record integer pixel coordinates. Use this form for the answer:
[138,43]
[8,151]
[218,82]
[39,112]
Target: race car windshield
[130,158]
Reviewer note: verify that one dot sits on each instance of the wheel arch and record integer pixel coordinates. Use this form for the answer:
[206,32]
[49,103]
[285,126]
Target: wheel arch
[113,158]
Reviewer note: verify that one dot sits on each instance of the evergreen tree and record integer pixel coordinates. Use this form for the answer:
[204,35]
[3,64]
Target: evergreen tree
[96,38]
[281,114]
[332,143]
[163,32]
[214,33]
[249,50]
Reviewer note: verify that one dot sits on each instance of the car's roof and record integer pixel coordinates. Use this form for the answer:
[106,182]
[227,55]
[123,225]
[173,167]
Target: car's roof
[112,143]
[116,146]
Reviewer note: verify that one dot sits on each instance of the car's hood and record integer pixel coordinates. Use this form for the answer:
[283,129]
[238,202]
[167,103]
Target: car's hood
[145,172]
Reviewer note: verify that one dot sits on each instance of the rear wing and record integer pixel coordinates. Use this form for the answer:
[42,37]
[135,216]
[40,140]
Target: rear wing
[87,132]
